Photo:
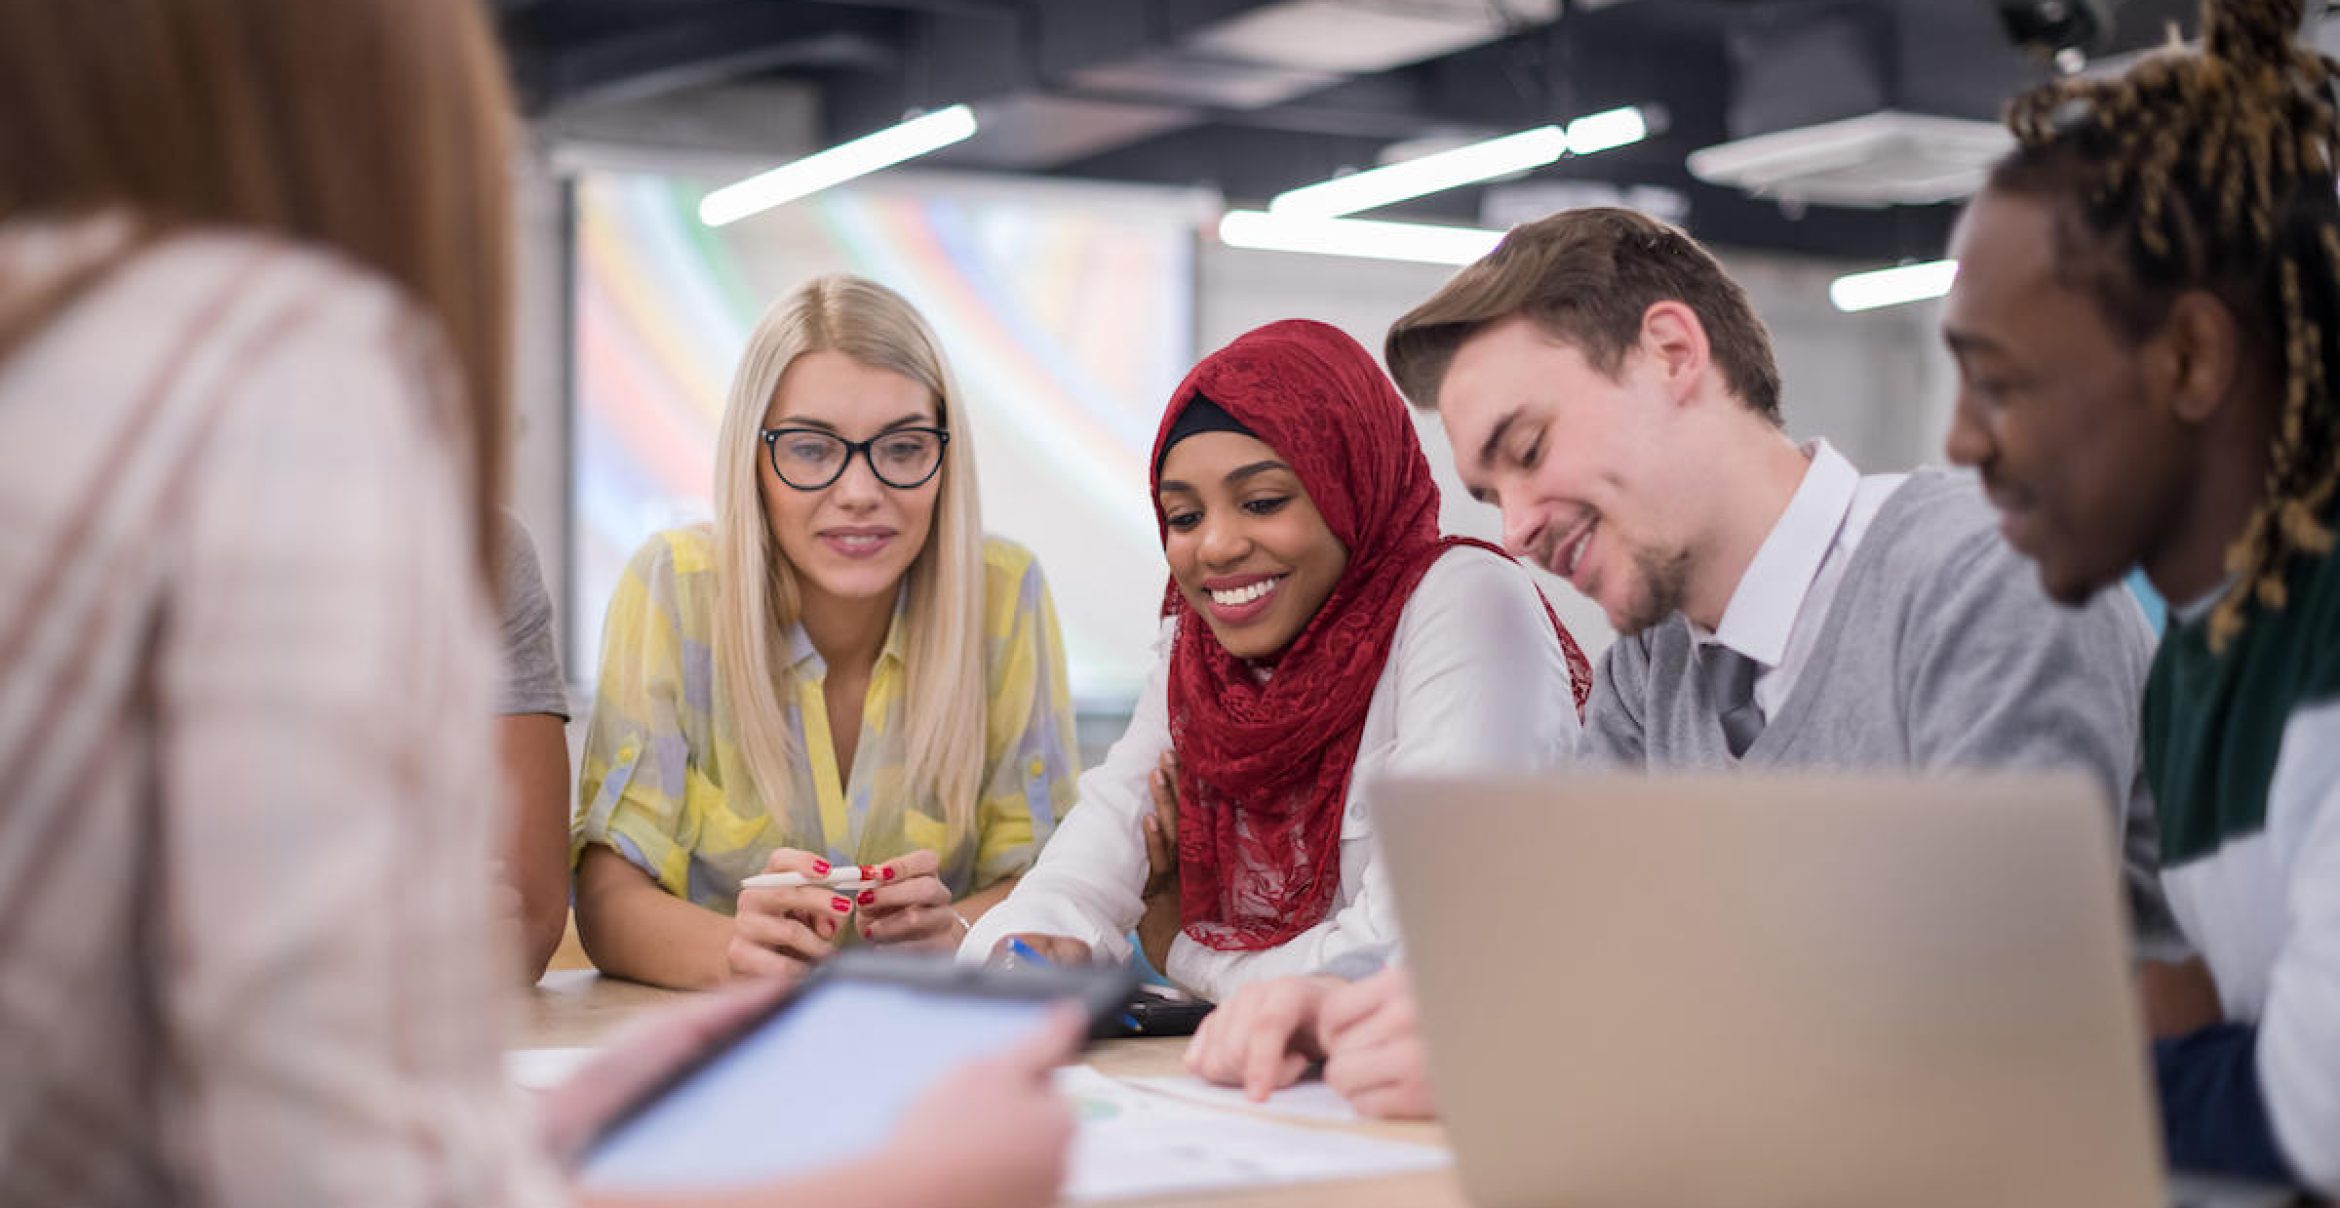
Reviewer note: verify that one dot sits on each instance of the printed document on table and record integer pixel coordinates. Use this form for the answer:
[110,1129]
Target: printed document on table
[1310,1100]
[1133,1143]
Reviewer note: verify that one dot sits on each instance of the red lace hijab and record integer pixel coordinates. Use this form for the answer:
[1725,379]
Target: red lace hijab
[1264,763]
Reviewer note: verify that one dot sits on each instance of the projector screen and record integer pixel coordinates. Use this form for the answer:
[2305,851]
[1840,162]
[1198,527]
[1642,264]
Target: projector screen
[1066,311]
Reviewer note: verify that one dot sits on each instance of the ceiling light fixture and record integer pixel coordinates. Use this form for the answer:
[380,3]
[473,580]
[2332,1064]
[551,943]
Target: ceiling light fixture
[838,164]
[1892,286]
[1607,130]
[1469,164]
[1419,243]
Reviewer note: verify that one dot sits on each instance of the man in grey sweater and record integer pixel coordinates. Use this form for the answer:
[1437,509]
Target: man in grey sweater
[1605,383]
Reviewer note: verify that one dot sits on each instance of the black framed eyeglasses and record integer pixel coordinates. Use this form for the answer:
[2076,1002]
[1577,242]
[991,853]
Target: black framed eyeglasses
[809,459]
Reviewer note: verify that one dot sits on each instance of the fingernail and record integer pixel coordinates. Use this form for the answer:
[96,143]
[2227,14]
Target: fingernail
[889,873]
[869,871]
[820,868]
[841,904]
[868,896]
[868,934]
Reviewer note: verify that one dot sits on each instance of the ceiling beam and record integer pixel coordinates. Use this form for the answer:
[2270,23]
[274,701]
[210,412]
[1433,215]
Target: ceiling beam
[657,53]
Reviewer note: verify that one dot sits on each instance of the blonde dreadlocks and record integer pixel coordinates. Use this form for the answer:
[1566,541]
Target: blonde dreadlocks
[2214,171]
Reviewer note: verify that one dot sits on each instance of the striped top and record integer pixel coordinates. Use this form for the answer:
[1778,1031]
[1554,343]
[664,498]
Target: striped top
[2243,750]
[245,686]
[664,786]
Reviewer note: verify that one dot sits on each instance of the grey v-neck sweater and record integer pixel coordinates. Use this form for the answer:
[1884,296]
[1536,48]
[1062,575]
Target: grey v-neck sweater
[1939,652]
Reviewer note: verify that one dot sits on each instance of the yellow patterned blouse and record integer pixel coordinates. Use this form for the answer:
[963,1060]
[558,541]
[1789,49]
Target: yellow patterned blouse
[664,785]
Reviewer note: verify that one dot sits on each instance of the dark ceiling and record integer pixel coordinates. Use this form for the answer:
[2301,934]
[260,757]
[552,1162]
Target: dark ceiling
[1252,97]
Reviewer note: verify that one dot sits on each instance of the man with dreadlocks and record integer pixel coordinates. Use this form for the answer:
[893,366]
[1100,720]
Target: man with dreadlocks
[2147,329]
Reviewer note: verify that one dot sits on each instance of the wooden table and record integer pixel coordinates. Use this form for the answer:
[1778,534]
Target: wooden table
[581,1008]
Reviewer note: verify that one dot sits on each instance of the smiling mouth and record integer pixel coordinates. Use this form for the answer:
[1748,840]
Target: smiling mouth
[1239,596]
[857,543]
[1565,559]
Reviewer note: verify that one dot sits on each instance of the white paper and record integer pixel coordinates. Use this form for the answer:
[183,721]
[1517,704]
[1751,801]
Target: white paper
[1310,1100]
[1133,1143]
[542,1069]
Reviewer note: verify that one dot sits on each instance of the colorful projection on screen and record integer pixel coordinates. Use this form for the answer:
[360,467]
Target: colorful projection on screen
[1068,318]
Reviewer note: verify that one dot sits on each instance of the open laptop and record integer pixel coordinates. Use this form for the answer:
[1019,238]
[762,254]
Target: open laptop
[1802,991]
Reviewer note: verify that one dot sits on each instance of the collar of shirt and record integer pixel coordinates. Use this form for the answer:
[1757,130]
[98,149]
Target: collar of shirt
[1762,612]
[2192,611]
[808,663]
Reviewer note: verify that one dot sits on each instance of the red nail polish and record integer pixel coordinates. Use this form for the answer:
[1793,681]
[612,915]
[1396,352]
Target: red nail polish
[868,896]
[840,904]
[869,872]
[868,934]
[820,868]
[889,873]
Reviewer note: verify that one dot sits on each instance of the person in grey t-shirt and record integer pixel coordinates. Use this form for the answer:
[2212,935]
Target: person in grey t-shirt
[532,734]
[1605,382]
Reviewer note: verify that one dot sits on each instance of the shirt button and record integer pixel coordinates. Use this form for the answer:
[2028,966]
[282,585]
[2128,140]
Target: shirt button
[1036,767]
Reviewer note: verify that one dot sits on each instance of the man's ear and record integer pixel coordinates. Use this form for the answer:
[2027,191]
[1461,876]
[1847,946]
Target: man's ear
[2195,360]
[1675,341]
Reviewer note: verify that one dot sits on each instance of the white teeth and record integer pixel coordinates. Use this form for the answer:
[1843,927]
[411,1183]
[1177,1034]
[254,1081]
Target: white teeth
[1576,551]
[857,541]
[1244,595]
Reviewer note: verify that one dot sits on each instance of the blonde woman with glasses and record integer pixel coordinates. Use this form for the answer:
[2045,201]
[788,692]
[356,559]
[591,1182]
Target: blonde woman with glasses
[841,672]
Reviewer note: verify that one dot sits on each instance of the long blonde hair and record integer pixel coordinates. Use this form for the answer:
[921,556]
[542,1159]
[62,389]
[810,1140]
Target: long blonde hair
[756,594]
[379,129]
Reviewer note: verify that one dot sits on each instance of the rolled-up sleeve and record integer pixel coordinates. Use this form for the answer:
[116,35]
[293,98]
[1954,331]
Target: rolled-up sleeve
[1031,747]
[632,788]
[1085,883]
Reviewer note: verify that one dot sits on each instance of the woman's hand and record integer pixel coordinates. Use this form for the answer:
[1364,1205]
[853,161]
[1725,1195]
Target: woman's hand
[1263,1038]
[991,1134]
[1161,827]
[1055,949]
[1158,926]
[994,1133]
[911,907]
[777,932]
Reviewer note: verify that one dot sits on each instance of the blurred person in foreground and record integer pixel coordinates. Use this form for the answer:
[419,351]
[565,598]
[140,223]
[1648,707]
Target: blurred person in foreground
[254,261]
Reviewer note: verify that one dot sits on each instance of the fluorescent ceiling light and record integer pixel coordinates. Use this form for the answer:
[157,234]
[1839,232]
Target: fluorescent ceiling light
[1606,130]
[838,164]
[1420,243]
[1893,286]
[1469,164]
[1429,174]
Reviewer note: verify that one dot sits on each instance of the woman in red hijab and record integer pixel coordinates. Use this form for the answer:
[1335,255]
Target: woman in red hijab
[1318,630]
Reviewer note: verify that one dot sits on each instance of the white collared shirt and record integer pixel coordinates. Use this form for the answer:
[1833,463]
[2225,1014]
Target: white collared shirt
[1776,612]
[1474,681]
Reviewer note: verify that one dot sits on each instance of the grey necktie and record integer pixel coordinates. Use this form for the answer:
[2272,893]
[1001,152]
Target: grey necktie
[1730,684]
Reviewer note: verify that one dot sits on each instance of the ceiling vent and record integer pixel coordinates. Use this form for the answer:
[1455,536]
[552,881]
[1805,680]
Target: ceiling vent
[1357,37]
[1874,160]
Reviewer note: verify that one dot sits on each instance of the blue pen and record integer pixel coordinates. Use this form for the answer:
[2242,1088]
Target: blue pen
[1018,950]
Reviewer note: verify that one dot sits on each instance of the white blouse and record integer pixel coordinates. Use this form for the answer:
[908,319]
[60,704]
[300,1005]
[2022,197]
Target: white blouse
[1475,682]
